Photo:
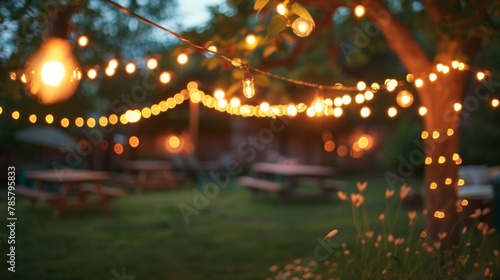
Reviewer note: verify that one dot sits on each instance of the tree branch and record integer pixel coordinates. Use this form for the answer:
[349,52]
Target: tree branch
[434,10]
[399,37]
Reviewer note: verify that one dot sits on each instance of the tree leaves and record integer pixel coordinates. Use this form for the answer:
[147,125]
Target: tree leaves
[301,11]
[260,4]
[277,24]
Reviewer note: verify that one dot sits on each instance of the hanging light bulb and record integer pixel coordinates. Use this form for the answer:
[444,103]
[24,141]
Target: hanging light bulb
[248,86]
[302,26]
[52,73]
[404,99]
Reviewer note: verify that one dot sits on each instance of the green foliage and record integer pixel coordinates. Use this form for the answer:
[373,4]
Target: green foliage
[277,24]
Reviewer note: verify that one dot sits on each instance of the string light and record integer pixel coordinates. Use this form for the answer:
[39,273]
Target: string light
[83,41]
[92,73]
[248,86]
[182,58]
[457,107]
[281,9]
[251,40]
[130,68]
[365,112]
[495,103]
[480,76]
[392,112]
[404,99]
[219,94]
[165,77]
[152,63]
[359,11]
[422,111]
[302,26]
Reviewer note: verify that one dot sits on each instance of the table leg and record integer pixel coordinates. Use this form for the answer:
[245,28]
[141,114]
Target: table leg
[102,198]
[61,202]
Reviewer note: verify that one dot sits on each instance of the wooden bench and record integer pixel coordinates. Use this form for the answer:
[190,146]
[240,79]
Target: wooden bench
[34,195]
[256,185]
[106,191]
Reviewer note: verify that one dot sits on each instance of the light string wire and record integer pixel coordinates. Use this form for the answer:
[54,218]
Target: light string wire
[233,61]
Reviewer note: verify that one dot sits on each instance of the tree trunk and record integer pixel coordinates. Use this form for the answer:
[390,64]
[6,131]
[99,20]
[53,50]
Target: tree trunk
[441,123]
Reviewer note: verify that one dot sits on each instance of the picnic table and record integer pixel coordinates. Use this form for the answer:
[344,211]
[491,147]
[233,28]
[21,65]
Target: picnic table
[284,178]
[148,174]
[69,183]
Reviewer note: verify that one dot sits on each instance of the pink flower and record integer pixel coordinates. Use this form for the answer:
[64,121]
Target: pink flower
[412,215]
[442,235]
[331,234]
[342,195]
[357,199]
[405,189]
[381,216]
[389,193]
[476,214]
[361,186]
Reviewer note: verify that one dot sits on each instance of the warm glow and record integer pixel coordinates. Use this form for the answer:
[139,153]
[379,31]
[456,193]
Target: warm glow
[454,64]
[448,181]
[109,71]
[152,63]
[432,77]
[410,78]
[404,99]
[118,148]
[49,119]
[495,103]
[422,111]
[113,63]
[441,160]
[79,122]
[329,146]
[103,121]
[464,202]
[392,112]
[264,106]
[424,135]
[359,98]
[132,116]
[391,84]
[337,112]
[219,94]
[52,73]
[212,48]
[92,74]
[365,142]
[64,122]
[419,83]
[291,110]
[281,9]
[368,95]
[32,118]
[365,112]
[83,41]
[439,214]
[480,76]
[251,40]
[455,156]
[342,151]
[433,186]
[113,119]
[302,27]
[361,86]
[91,122]
[461,182]
[457,107]
[130,67]
[461,66]
[133,141]
[248,86]
[428,160]
[235,102]
[182,58]
[15,115]
[450,131]
[146,112]
[359,11]
[165,77]
[435,134]
[346,99]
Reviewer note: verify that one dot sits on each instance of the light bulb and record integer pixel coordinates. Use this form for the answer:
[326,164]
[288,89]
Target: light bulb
[248,86]
[359,11]
[182,58]
[52,74]
[404,99]
[302,26]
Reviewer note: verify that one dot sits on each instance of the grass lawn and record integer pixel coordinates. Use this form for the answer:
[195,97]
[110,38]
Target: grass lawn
[234,237]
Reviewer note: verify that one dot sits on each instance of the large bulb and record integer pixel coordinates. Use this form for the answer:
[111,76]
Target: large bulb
[302,27]
[248,86]
[52,73]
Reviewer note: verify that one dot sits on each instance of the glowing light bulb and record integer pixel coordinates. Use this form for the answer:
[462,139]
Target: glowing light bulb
[251,40]
[432,77]
[281,9]
[368,95]
[419,83]
[248,86]
[302,27]
[480,76]
[365,112]
[92,74]
[495,103]
[422,111]
[392,112]
[404,99]
[52,73]
[264,106]
[133,116]
[152,63]
[235,102]
[113,63]
[130,68]
[165,77]
[83,41]
[346,99]
[219,94]
[182,58]
[359,11]
[457,107]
